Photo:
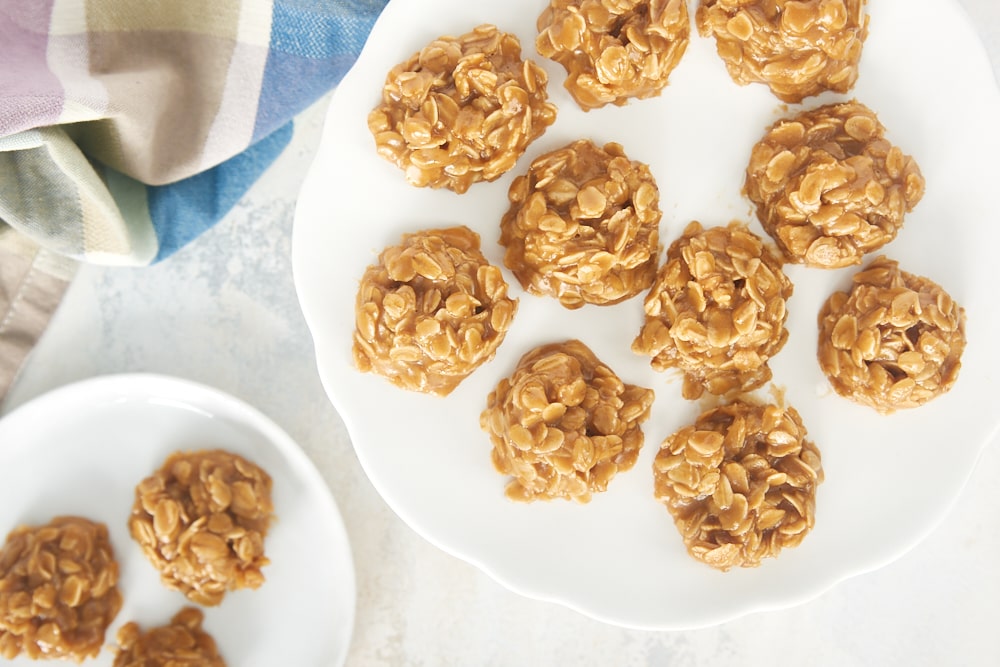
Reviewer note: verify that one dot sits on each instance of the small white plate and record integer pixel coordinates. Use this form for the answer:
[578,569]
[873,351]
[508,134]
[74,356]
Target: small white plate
[889,480]
[82,449]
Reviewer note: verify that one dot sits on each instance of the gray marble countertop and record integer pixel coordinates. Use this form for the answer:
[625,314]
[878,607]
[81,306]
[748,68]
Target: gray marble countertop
[223,312]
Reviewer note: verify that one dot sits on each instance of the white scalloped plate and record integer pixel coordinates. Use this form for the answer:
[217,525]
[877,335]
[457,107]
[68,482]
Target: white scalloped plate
[889,480]
[82,449]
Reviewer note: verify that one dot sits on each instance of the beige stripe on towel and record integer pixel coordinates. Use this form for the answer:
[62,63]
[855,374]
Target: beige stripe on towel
[32,283]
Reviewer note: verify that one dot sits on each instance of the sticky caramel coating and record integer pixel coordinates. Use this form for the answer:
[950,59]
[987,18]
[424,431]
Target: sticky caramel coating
[740,483]
[563,424]
[799,48]
[431,311]
[181,643]
[583,226]
[201,520]
[717,310]
[58,590]
[461,110]
[614,50]
[893,341]
[829,187]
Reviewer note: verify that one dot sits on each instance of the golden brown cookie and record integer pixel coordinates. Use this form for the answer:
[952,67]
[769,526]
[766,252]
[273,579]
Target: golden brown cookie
[431,311]
[201,520]
[583,225]
[58,590]
[829,187]
[740,483]
[717,310]
[614,50]
[894,340]
[461,110]
[798,48]
[563,424]
[181,643]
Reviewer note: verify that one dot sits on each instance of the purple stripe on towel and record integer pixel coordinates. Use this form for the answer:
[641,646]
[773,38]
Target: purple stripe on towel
[24,27]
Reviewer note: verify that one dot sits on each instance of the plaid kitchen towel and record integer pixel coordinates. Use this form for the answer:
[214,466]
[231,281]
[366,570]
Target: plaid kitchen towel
[128,127]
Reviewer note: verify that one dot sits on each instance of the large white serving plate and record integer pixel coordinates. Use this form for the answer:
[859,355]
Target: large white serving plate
[889,480]
[82,449]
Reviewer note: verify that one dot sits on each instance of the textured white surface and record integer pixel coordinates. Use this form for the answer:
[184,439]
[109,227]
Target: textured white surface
[223,312]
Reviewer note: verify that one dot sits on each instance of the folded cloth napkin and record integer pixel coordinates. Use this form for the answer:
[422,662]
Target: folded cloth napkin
[128,127]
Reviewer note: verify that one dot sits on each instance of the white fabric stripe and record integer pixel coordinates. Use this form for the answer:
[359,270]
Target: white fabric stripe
[255,23]
[237,116]
[21,141]
[69,17]
[85,98]
[130,196]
